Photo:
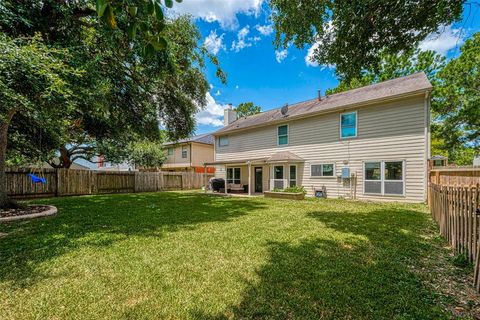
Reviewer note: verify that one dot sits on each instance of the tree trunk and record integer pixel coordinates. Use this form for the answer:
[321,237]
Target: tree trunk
[64,159]
[5,201]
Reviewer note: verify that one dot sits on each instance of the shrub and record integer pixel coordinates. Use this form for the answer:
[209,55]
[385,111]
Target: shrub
[295,189]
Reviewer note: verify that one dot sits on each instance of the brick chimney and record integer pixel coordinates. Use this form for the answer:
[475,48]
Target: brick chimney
[319,95]
[230,115]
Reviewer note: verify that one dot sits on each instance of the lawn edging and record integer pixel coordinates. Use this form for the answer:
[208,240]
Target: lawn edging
[49,212]
[284,195]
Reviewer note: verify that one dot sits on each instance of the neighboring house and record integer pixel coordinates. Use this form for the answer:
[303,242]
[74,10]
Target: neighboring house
[438,161]
[190,154]
[368,143]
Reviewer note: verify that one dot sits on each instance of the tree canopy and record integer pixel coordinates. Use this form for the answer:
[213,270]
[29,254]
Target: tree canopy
[115,90]
[457,98]
[124,92]
[393,66]
[351,34]
[246,109]
[33,82]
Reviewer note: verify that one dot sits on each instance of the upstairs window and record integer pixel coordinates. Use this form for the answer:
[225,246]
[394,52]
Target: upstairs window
[170,151]
[184,151]
[322,170]
[223,141]
[282,135]
[348,125]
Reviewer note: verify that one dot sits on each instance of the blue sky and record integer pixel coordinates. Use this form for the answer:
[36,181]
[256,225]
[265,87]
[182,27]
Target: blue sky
[239,33]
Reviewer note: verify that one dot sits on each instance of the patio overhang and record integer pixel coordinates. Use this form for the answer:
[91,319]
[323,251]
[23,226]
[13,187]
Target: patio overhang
[238,162]
[278,157]
[284,157]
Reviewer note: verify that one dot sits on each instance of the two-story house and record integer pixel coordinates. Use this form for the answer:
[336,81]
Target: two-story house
[367,143]
[190,154]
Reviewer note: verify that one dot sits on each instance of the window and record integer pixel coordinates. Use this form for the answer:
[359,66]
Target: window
[223,141]
[293,176]
[373,175]
[322,170]
[170,151]
[184,151]
[384,177]
[348,125]
[278,177]
[283,135]
[233,175]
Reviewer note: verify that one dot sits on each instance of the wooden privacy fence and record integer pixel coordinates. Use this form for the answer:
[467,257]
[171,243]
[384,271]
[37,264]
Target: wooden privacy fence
[467,176]
[69,182]
[457,212]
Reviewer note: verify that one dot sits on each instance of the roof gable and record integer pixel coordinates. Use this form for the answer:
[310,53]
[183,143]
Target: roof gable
[206,138]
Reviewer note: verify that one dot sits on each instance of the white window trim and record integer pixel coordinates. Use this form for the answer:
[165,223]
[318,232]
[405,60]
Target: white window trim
[288,136]
[383,180]
[296,174]
[233,175]
[356,125]
[322,176]
[284,181]
[185,149]
[223,145]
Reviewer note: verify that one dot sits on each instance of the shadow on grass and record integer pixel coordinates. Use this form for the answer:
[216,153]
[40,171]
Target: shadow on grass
[367,272]
[102,220]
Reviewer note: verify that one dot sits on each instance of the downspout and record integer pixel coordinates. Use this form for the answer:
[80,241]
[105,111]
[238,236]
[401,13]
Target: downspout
[427,143]
[191,162]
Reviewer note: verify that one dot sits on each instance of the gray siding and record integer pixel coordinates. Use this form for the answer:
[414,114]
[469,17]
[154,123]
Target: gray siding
[388,131]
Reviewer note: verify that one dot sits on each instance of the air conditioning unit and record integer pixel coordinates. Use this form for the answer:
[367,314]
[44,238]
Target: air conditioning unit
[320,192]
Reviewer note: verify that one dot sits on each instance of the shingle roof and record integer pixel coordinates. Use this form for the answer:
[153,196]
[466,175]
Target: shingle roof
[282,156]
[206,138]
[413,83]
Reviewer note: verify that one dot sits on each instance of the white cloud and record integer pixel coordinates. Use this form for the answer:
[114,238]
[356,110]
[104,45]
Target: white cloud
[222,11]
[212,115]
[312,63]
[265,30]
[236,87]
[309,57]
[281,55]
[243,41]
[214,43]
[328,35]
[217,93]
[445,39]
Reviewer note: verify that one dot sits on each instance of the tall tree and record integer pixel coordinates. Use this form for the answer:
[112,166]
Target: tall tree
[246,109]
[394,66]
[124,91]
[32,83]
[457,98]
[351,34]
[146,154]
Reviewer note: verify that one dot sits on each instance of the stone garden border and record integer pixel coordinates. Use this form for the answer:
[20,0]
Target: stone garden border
[49,212]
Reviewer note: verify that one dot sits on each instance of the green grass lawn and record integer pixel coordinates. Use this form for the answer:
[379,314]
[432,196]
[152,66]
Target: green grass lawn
[187,255]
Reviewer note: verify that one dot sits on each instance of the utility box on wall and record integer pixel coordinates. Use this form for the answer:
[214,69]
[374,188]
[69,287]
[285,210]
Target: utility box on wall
[345,173]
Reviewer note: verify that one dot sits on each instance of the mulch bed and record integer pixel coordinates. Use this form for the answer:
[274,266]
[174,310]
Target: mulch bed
[23,211]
